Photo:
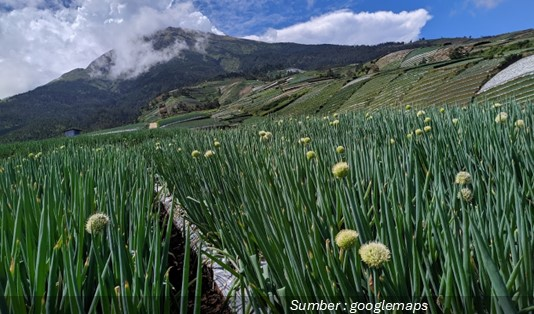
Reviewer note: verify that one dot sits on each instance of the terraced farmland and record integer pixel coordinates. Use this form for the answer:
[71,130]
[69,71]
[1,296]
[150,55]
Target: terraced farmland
[422,94]
[452,73]
[313,101]
[446,83]
[416,56]
[460,89]
[393,93]
[369,90]
[520,90]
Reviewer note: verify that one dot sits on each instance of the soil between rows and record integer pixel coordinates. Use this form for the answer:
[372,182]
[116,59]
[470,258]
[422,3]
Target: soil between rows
[212,300]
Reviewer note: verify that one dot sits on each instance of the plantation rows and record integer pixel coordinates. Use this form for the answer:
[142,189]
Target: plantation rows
[395,205]
[417,56]
[520,88]
[392,95]
[369,90]
[277,196]
[520,68]
[53,258]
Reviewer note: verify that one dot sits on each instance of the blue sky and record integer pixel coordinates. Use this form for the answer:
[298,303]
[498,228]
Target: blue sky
[450,18]
[42,39]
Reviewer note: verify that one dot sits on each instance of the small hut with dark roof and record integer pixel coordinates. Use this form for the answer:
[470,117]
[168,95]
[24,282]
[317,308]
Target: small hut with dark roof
[72,132]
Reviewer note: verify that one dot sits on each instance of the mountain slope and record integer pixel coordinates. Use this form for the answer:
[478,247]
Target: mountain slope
[107,94]
[454,73]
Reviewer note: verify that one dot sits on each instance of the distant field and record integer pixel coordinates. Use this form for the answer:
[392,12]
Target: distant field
[125,128]
[182,118]
[198,123]
[189,120]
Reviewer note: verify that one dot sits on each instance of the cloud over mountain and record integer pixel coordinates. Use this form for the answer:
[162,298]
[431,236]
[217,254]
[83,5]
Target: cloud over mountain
[43,39]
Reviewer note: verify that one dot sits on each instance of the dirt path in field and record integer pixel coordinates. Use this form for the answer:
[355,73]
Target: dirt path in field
[212,299]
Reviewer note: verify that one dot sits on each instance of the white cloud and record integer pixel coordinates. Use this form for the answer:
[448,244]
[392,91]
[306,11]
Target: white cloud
[40,42]
[488,4]
[141,54]
[345,27]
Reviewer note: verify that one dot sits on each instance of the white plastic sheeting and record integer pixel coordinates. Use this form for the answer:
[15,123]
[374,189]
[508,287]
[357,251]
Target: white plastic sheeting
[519,68]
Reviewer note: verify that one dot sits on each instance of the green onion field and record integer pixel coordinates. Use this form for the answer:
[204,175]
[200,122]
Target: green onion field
[433,206]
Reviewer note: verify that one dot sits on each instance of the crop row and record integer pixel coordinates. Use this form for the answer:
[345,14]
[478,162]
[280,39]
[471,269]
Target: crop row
[80,232]
[446,197]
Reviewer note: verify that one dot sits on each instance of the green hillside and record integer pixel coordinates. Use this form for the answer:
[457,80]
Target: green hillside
[93,98]
[451,73]
[236,80]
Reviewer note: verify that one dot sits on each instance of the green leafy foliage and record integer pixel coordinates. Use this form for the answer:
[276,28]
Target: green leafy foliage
[275,213]
[267,204]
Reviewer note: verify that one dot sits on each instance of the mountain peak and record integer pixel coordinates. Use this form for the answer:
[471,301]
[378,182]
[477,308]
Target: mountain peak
[101,66]
[136,57]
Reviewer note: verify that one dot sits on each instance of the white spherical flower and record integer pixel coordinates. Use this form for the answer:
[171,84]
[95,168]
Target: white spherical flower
[501,117]
[463,178]
[96,223]
[346,238]
[311,155]
[340,170]
[266,136]
[209,154]
[466,194]
[374,254]
[305,140]
[519,123]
